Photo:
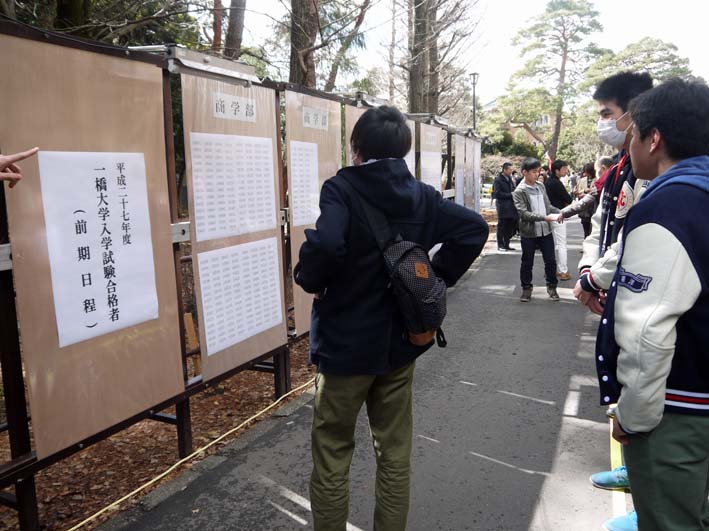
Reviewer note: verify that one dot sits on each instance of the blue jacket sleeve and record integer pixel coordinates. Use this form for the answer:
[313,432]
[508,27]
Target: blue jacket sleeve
[463,233]
[325,247]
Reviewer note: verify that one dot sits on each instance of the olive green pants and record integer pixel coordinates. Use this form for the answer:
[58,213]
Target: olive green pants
[669,474]
[338,400]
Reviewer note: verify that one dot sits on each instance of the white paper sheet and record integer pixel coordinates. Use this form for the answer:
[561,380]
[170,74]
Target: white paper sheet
[431,168]
[240,290]
[315,118]
[233,181]
[459,169]
[99,241]
[232,107]
[305,191]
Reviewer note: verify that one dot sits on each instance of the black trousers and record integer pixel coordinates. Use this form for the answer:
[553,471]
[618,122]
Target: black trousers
[505,229]
[529,247]
[586,224]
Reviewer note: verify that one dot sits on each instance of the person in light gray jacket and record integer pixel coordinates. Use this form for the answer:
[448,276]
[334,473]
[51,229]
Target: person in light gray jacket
[535,215]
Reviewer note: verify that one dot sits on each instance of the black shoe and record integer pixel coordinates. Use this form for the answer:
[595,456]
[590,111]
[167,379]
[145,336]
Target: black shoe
[526,295]
[508,248]
[553,295]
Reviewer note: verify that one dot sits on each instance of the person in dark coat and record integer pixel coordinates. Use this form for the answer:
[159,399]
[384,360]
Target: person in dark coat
[507,217]
[358,339]
[559,198]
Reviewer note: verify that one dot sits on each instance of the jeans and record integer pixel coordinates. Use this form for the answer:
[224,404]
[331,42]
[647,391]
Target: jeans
[338,400]
[559,232]
[529,246]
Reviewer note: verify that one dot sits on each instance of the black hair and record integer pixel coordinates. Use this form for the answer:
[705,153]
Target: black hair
[623,87]
[380,133]
[590,170]
[530,163]
[506,165]
[557,165]
[545,168]
[605,161]
[679,110]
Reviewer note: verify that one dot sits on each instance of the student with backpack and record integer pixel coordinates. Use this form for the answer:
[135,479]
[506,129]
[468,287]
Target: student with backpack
[362,338]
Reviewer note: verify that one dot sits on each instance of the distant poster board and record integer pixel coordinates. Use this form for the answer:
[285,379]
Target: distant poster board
[411,155]
[233,184]
[314,154]
[430,157]
[94,116]
[459,153]
[477,147]
[469,194]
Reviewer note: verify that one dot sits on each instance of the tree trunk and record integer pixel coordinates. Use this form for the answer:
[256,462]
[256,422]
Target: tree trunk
[554,144]
[392,44]
[7,8]
[433,63]
[304,30]
[71,13]
[418,56]
[217,26]
[332,77]
[235,32]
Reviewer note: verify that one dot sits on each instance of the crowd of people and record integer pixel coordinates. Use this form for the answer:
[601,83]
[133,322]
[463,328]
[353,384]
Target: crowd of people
[644,269]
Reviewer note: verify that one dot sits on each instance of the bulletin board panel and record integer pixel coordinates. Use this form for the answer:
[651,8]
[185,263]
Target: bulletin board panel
[237,262]
[469,194]
[69,100]
[431,138]
[305,130]
[459,146]
[411,155]
[477,149]
[352,114]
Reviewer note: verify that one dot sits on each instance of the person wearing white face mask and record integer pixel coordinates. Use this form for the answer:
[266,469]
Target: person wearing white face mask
[620,191]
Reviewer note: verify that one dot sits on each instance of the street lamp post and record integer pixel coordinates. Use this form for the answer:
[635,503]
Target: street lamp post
[474,78]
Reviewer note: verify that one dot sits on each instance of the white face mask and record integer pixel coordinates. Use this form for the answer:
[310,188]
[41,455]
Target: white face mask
[609,133]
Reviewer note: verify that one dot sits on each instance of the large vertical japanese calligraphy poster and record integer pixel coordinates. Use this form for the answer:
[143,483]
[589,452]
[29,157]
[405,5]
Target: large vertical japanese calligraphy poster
[430,142]
[314,154]
[231,134]
[91,239]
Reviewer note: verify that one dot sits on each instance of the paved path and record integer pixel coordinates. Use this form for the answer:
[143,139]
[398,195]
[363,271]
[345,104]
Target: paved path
[506,430]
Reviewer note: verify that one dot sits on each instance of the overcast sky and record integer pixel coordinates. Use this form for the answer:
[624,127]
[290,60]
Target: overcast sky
[681,22]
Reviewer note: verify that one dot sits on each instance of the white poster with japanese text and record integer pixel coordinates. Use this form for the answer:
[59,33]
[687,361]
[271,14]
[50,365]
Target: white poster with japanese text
[315,118]
[431,168]
[234,107]
[305,183]
[99,241]
[240,291]
[233,181]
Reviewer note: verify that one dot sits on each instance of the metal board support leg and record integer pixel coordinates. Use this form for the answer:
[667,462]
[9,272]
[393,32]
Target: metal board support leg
[14,387]
[281,373]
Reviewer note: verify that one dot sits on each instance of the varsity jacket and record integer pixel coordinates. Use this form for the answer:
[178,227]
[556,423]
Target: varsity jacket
[600,249]
[652,342]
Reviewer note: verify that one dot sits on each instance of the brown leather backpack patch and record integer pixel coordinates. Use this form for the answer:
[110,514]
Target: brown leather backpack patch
[421,270]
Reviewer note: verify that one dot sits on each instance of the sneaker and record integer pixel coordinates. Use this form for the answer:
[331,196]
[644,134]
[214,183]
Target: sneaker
[611,479]
[502,249]
[508,248]
[553,295]
[563,276]
[526,295]
[627,522]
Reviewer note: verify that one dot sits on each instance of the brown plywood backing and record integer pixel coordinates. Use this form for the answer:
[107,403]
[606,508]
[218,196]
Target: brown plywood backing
[232,284]
[301,111]
[63,99]
[430,141]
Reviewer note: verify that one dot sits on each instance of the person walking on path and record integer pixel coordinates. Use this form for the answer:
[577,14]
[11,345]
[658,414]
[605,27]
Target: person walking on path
[652,343]
[358,339]
[502,189]
[535,215]
[559,198]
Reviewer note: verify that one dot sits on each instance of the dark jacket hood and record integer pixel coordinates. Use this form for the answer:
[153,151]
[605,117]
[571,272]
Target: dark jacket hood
[387,184]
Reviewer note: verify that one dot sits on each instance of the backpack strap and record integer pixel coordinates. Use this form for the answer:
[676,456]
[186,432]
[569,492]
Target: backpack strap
[376,219]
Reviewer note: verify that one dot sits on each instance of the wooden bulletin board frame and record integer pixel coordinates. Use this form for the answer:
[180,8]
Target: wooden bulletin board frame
[69,99]
[329,161]
[198,116]
[430,140]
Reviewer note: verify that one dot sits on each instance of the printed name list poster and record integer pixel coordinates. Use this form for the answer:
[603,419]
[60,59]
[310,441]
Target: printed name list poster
[98,236]
[241,292]
[233,182]
[306,185]
[431,168]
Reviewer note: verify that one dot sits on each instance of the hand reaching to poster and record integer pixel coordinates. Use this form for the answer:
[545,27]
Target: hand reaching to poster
[9,171]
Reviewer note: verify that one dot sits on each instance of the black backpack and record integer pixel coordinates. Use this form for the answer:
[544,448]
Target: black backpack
[420,294]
